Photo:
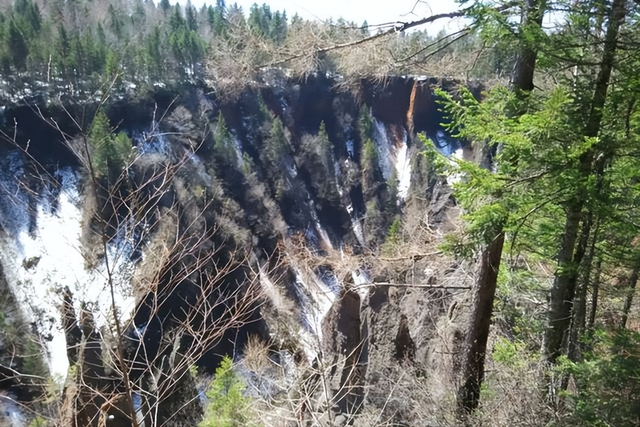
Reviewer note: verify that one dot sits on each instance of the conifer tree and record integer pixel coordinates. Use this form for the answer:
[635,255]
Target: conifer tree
[570,254]
[223,144]
[109,152]
[17,46]
[165,5]
[494,238]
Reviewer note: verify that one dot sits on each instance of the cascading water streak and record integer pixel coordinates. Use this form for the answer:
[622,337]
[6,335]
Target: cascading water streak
[383,146]
[403,168]
[393,155]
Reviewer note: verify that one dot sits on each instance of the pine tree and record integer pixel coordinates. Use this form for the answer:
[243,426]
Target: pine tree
[17,47]
[63,50]
[165,5]
[227,406]
[223,148]
[278,27]
[493,215]
[191,15]
[154,54]
[117,25]
[109,152]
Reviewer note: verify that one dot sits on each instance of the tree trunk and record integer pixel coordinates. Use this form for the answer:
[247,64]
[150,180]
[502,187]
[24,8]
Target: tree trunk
[594,295]
[633,280]
[569,259]
[522,80]
[485,288]
[580,307]
[563,289]
[476,341]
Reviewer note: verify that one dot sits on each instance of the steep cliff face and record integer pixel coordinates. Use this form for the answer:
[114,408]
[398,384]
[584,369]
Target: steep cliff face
[261,216]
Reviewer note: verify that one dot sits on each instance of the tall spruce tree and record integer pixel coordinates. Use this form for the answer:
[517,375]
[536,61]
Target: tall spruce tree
[532,12]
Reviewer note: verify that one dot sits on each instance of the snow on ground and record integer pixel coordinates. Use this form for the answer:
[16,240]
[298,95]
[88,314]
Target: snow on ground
[40,262]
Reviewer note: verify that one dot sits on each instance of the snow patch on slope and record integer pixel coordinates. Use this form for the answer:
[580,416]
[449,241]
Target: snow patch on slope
[43,258]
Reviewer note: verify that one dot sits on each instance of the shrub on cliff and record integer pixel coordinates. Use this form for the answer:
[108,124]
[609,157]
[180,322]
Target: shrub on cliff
[227,407]
[604,388]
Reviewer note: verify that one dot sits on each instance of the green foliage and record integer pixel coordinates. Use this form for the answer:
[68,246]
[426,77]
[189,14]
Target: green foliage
[259,19]
[17,46]
[324,148]
[369,155]
[216,18]
[227,406]
[370,166]
[534,165]
[518,289]
[394,237]
[365,123]
[395,229]
[248,165]
[320,164]
[514,354]
[165,5]
[109,152]
[277,147]
[374,223]
[154,56]
[38,421]
[161,42]
[223,148]
[391,199]
[267,24]
[112,67]
[33,359]
[606,389]
[191,17]
[278,27]
[277,156]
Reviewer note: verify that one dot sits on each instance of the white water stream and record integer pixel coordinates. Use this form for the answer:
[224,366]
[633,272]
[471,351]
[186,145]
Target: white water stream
[393,155]
[383,146]
[403,168]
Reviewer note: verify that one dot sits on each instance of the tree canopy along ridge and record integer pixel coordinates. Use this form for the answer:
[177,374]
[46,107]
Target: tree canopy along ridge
[82,47]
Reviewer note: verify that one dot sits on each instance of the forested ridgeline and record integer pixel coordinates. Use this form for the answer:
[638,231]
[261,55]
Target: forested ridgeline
[84,45]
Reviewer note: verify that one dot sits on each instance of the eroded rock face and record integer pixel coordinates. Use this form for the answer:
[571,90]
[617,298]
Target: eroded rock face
[313,194]
[346,350]
[394,347]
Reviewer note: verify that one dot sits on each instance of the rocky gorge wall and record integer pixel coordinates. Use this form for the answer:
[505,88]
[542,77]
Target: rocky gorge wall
[296,184]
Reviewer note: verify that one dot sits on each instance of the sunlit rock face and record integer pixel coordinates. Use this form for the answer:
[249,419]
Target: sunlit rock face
[312,201]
